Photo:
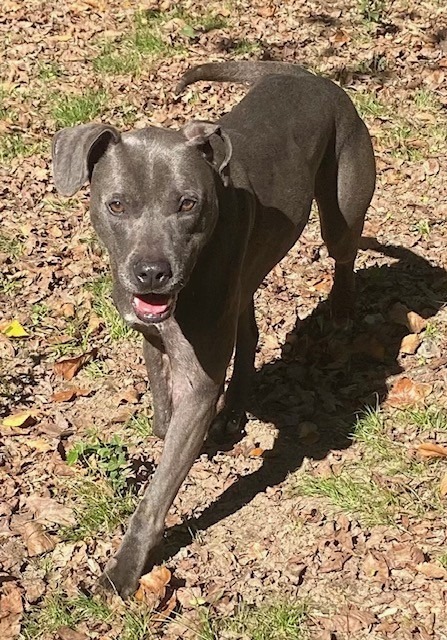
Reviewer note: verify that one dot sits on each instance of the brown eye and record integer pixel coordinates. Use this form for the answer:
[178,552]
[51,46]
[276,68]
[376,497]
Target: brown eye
[116,206]
[187,204]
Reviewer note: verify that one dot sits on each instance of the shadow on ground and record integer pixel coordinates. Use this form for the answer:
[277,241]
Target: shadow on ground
[328,377]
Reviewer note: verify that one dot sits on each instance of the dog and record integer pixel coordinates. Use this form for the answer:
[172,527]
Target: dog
[193,220]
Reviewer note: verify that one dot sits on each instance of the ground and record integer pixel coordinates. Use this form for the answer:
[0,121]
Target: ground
[328,519]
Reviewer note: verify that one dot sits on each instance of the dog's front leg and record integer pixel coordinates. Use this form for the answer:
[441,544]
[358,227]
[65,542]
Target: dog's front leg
[194,405]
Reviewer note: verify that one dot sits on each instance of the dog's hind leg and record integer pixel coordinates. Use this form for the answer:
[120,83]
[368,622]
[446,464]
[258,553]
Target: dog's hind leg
[343,190]
[231,417]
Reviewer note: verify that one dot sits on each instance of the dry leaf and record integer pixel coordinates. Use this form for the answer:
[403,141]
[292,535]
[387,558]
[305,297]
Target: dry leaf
[69,367]
[432,570]
[350,621]
[432,450]
[11,610]
[35,538]
[415,322]
[65,633]
[22,419]
[13,329]
[256,452]
[410,343]
[443,486]
[408,392]
[69,394]
[153,585]
[400,314]
[50,511]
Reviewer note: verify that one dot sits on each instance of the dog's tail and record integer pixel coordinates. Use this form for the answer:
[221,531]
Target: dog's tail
[239,71]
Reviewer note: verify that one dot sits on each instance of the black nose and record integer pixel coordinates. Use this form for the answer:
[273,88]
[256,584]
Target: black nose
[153,275]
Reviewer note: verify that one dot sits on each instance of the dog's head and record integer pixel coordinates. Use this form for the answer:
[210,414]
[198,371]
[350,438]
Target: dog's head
[153,204]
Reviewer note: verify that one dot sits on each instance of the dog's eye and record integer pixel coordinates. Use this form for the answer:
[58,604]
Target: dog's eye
[116,206]
[187,204]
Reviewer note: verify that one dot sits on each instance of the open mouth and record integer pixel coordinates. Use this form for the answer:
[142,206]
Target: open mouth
[153,307]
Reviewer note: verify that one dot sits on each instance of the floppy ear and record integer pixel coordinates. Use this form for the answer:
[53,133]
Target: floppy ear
[75,152]
[198,134]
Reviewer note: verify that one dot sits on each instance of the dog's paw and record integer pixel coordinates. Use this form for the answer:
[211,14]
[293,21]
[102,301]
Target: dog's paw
[226,425]
[119,579]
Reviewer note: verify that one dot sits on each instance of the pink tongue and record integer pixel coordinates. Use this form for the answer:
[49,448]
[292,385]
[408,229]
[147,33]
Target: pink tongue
[152,305]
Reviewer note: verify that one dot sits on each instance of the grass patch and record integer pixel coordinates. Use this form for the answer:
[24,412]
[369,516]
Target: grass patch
[141,425]
[283,621]
[245,47]
[11,246]
[353,491]
[59,610]
[368,105]
[47,71]
[102,498]
[424,99]
[13,145]
[97,507]
[103,306]
[373,10]
[107,459]
[387,480]
[146,41]
[69,110]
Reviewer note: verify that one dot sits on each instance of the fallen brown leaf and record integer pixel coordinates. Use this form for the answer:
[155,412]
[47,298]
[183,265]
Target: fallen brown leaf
[432,570]
[431,450]
[48,510]
[408,392]
[69,394]
[400,314]
[69,367]
[66,633]
[443,486]
[153,585]
[11,610]
[410,343]
[350,621]
[35,538]
[256,452]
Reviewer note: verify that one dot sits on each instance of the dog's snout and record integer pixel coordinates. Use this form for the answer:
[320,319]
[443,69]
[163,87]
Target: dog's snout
[152,275]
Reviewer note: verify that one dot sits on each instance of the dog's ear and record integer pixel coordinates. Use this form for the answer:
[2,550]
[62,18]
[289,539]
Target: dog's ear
[198,134]
[75,152]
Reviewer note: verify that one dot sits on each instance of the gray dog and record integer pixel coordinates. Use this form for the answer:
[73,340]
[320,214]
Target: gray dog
[193,220]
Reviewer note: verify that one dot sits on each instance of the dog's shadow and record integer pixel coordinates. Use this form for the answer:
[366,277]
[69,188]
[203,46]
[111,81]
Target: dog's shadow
[327,377]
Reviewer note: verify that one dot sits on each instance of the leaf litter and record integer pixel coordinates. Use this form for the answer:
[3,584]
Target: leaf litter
[237,532]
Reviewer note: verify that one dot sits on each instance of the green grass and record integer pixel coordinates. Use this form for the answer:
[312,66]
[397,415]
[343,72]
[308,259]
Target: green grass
[283,621]
[443,560]
[373,10]
[141,425]
[354,491]
[426,420]
[245,47]
[11,246]
[103,305]
[48,71]
[425,99]
[70,110]
[60,610]
[132,621]
[13,145]
[97,508]
[145,41]
[385,481]
[368,105]
[101,499]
